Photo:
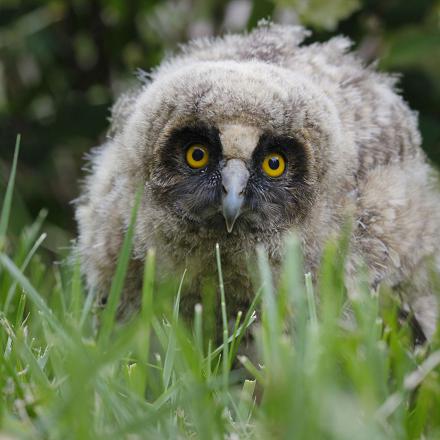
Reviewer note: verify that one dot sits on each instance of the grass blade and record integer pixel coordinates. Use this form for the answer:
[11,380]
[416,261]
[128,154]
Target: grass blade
[23,267]
[109,314]
[311,300]
[225,356]
[270,318]
[7,202]
[171,348]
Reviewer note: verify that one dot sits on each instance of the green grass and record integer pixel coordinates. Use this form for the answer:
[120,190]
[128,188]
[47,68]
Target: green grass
[64,376]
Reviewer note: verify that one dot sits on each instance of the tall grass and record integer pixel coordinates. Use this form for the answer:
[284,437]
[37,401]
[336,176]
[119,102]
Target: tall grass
[63,376]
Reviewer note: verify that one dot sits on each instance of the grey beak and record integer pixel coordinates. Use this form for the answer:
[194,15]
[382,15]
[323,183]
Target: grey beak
[234,178]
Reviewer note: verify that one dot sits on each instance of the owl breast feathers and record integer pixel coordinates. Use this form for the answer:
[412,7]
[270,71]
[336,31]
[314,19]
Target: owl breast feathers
[242,139]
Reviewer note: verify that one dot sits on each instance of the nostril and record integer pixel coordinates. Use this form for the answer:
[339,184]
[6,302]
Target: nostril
[225,191]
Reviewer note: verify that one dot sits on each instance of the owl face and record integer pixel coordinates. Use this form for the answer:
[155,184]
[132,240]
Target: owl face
[202,179]
[233,148]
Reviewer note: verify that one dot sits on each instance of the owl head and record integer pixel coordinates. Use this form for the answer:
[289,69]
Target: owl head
[232,145]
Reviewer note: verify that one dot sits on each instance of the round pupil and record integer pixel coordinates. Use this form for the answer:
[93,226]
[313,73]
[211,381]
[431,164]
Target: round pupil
[198,154]
[274,163]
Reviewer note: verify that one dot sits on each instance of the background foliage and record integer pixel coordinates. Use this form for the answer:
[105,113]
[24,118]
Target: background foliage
[62,63]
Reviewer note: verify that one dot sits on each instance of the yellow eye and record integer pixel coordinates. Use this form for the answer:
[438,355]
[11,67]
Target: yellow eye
[197,156]
[274,165]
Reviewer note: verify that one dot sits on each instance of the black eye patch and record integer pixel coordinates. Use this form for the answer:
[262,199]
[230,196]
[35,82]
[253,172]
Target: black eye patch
[184,190]
[173,153]
[286,196]
[290,148]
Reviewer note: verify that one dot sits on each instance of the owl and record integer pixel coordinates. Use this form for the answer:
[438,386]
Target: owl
[241,140]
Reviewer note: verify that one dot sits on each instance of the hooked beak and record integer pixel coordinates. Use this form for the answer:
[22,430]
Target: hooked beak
[234,178]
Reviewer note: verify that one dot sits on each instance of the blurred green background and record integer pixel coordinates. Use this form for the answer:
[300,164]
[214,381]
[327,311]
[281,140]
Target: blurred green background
[62,63]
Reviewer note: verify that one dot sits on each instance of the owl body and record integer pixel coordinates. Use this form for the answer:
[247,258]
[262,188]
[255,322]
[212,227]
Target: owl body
[349,145]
